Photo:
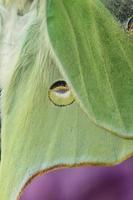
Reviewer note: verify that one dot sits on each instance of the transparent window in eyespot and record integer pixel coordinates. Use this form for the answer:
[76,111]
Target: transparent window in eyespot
[60,93]
[130,25]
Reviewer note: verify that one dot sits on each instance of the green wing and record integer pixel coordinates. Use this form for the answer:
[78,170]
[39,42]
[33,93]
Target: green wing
[96,55]
[79,44]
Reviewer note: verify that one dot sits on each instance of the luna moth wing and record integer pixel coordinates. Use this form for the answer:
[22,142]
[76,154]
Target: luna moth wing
[96,54]
[38,136]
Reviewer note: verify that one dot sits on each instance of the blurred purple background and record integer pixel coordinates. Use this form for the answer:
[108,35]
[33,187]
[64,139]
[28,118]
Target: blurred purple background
[86,183]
